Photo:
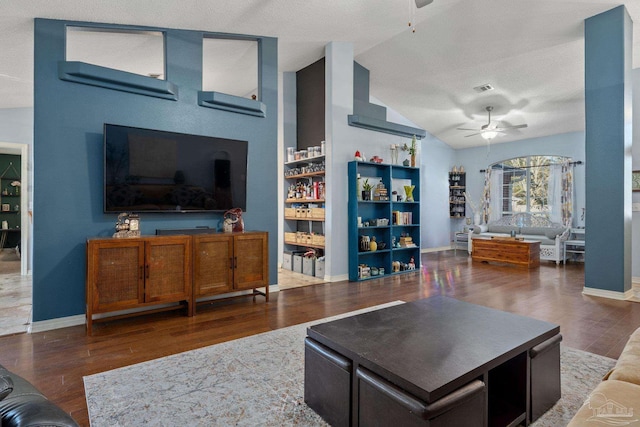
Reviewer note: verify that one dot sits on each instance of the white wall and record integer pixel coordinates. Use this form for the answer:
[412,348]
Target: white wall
[342,142]
[436,160]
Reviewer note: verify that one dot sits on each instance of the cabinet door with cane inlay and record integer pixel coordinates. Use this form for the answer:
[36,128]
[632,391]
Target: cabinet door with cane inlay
[115,274]
[168,269]
[212,264]
[251,259]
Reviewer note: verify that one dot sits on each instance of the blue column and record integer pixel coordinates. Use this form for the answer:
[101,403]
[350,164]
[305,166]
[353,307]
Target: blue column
[608,41]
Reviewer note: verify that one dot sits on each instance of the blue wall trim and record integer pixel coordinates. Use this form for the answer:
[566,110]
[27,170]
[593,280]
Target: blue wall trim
[89,74]
[385,126]
[236,104]
[68,158]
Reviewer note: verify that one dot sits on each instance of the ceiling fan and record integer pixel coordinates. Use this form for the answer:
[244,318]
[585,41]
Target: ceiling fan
[491,130]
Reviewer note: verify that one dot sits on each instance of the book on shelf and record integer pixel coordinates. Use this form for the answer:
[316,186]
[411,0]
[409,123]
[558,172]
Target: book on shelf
[402,218]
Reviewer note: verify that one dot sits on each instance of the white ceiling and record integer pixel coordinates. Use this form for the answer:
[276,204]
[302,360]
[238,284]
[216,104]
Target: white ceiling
[530,51]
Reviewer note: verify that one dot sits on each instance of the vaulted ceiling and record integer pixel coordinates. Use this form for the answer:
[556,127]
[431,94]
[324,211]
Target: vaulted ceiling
[530,52]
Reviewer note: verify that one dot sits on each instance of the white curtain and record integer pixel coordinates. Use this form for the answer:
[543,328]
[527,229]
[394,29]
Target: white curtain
[495,207]
[567,193]
[560,193]
[554,194]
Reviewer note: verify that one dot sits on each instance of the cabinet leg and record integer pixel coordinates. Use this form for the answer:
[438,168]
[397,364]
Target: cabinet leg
[265,294]
[191,308]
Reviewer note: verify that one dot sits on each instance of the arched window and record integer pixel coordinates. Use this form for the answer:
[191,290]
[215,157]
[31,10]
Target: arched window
[531,184]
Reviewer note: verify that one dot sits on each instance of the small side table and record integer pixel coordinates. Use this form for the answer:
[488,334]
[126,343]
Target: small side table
[575,244]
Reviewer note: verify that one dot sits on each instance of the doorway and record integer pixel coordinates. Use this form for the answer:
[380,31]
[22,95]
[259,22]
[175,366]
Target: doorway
[16,293]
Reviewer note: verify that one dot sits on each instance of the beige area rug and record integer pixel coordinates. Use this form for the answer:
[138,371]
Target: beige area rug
[258,380]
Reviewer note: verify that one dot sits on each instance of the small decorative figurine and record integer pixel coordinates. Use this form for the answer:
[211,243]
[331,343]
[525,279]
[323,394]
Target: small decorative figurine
[233,221]
[128,225]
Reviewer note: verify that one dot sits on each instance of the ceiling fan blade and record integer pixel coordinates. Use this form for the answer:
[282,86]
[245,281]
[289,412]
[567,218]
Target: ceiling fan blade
[473,134]
[423,3]
[477,130]
[511,127]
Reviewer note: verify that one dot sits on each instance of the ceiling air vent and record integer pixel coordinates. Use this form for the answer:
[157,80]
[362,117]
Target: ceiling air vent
[483,88]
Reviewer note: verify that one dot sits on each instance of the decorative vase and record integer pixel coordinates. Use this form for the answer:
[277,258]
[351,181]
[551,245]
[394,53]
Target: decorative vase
[476,218]
[413,160]
[394,154]
[373,245]
[408,189]
[366,195]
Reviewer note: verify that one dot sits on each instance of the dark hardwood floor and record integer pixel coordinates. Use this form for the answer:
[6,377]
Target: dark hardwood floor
[56,361]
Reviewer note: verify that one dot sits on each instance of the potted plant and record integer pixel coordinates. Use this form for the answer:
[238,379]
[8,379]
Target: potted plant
[413,151]
[366,190]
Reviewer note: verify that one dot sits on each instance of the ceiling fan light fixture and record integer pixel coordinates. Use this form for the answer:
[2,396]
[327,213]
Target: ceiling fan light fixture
[489,135]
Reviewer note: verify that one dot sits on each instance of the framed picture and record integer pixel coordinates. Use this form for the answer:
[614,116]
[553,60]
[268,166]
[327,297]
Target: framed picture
[6,207]
[635,181]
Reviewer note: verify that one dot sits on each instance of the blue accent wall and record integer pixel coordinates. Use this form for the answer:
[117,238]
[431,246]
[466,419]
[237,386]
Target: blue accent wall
[68,157]
[608,150]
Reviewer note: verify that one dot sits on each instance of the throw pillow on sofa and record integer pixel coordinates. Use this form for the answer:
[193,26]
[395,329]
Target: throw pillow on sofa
[535,231]
[480,229]
[552,232]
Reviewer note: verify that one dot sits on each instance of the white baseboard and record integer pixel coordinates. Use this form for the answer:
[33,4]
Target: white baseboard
[338,278]
[440,249]
[608,294]
[61,322]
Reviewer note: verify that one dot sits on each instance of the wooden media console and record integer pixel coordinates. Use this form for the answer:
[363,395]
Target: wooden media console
[525,253]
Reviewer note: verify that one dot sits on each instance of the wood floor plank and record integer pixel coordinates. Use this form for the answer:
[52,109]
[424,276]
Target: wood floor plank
[55,361]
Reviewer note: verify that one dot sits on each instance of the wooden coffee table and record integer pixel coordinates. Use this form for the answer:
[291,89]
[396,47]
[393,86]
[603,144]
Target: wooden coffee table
[432,362]
[525,253]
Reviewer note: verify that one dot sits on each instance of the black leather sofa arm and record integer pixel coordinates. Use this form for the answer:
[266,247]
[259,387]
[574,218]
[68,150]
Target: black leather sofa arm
[25,406]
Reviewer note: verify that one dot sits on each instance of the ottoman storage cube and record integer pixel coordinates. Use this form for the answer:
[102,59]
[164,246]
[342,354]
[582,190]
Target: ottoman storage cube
[545,376]
[287,260]
[308,266]
[327,383]
[320,268]
[297,262]
[383,403]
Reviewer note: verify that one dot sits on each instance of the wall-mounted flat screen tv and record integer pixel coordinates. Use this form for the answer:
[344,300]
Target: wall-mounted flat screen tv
[149,170]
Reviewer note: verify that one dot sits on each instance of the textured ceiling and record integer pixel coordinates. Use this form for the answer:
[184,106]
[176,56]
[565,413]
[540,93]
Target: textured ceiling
[530,52]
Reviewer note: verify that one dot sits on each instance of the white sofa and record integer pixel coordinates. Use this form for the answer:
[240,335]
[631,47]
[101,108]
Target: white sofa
[550,235]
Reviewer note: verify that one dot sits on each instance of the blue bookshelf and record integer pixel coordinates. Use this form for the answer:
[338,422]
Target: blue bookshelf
[403,221]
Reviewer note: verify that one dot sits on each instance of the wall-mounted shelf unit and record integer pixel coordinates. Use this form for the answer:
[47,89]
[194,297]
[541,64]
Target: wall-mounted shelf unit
[388,221]
[457,200]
